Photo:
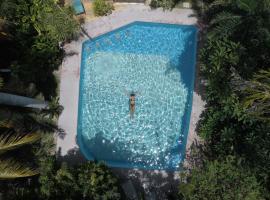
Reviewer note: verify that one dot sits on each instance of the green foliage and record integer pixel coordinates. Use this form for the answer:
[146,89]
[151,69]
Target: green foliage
[218,57]
[165,4]
[66,187]
[10,168]
[96,181]
[38,27]
[57,24]
[46,178]
[53,110]
[255,95]
[221,180]
[88,181]
[10,141]
[224,24]
[21,128]
[246,22]
[236,119]
[102,7]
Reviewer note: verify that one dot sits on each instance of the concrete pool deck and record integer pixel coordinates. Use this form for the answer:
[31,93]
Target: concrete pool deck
[70,75]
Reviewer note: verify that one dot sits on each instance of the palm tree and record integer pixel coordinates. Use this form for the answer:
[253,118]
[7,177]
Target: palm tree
[257,99]
[234,14]
[21,124]
[256,95]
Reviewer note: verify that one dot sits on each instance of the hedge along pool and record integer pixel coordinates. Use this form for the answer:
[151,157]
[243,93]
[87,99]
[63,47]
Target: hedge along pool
[157,62]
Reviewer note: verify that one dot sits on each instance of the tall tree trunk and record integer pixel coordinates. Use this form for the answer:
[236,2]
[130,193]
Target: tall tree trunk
[16,100]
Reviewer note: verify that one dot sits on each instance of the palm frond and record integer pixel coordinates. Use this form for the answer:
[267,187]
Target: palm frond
[256,96]
[247,5]
[11,140]
[5,124]
[224,24]
[10,169]
[41,124]
[220,3]
[223,17]
[5,6]
[53,110]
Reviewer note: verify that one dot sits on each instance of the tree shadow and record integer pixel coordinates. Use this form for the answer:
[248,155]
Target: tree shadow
[112,152]
[154,184]
[183,64]
[71,53]
[73,156]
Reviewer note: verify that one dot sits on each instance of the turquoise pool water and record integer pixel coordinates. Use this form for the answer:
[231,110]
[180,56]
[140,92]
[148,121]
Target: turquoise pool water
[157,61]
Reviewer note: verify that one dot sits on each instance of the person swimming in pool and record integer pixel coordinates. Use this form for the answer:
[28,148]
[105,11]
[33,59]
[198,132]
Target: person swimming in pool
[132,104]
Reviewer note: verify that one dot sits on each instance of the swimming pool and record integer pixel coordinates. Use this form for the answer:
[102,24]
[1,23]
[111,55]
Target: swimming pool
[157,62]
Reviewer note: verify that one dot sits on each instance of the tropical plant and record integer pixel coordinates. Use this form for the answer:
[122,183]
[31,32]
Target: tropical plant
[165,4]
[102,7]
[236,119]
[253,93]
[21,126]
[46,17]
[96,181]
[38,27]
[220,180]
[218,57]
[11,169]
[87,181]
[231,18]
[10,140]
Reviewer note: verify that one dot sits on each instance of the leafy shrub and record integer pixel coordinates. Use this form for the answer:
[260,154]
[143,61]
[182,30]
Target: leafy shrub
[87,181]
[37,28]
[221,180]
[97,182]
[235,121]
[165,4]
[218,57]
[101,7]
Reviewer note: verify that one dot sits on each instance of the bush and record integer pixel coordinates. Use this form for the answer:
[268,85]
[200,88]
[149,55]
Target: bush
[102,8]
[165,4]
[218,180]
[97,181]
[86,181]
